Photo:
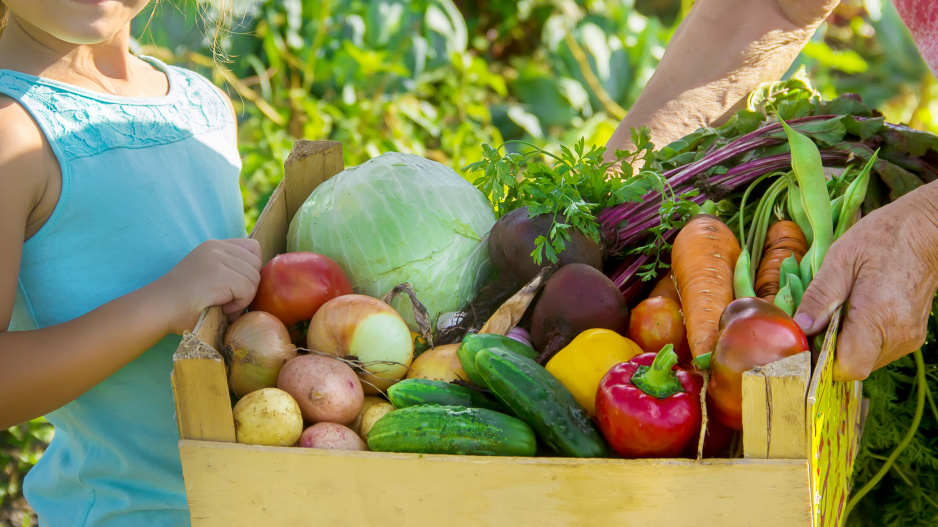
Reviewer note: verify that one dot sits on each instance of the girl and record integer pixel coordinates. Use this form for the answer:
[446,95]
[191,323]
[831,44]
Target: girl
[120,220]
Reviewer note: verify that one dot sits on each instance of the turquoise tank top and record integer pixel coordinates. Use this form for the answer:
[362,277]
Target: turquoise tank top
[144,181]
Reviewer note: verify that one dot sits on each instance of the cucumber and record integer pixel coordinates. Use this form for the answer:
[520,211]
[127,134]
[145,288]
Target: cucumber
[414,392]
[473,343]
[433,429]
[538,398]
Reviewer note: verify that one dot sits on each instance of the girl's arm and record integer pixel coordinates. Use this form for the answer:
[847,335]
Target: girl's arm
[44,369]
[720,52]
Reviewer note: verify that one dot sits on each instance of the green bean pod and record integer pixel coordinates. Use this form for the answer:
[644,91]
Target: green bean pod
[797,213]
[805,268]
[806,163]
[797,289]
[742,282]
[790,265]
[837,205]
[785,301]
[853,198]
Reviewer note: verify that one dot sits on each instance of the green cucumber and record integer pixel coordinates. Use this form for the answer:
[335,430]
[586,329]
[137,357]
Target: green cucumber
[434,429]
[473,343]
[414,392]
[538,398]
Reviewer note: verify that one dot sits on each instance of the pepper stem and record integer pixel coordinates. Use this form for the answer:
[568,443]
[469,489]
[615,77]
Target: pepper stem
[658,380]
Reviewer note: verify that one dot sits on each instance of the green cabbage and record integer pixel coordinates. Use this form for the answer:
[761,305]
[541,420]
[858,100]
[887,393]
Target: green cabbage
[401,218]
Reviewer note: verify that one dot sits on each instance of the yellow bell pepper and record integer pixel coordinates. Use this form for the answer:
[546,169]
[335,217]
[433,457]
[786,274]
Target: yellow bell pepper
[582,364]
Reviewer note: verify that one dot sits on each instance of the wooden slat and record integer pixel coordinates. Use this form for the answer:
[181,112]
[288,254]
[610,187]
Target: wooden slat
[271,224]
[774,420]
[200,388]
[308,165]
[231,485]
[755,416]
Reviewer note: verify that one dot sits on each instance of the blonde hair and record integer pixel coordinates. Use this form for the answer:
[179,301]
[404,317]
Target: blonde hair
[3,17]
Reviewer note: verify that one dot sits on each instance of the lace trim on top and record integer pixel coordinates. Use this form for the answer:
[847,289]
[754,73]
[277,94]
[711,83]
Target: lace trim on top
[84,123]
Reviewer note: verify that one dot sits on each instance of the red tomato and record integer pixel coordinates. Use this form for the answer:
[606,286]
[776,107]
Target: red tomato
[294,285]
[753,332]
[656,322]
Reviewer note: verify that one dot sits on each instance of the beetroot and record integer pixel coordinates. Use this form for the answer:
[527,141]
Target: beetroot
[575,298]
[512,241]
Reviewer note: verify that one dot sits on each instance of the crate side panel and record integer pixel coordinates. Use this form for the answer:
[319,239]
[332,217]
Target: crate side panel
[244,485]
[834,410]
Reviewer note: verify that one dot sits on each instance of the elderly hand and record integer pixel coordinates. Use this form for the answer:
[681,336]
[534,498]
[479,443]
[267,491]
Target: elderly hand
[885,271]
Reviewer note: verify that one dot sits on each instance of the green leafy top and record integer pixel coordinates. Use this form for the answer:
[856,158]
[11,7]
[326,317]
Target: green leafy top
[574,186]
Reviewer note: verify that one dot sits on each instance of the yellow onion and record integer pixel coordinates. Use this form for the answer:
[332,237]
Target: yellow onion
[368,330]
[257,345]
[438,364]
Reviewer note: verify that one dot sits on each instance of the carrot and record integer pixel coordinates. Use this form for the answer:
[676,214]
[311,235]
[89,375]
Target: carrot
[782,239]
[703,257]
[665,287]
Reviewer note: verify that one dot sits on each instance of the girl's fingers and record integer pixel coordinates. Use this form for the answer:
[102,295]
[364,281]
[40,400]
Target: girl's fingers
[246,249]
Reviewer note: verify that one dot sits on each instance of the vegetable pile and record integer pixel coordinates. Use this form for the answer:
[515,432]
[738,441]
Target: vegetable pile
[641,289]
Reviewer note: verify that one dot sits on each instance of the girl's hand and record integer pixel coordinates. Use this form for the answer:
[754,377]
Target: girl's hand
[217,272]
[885,271]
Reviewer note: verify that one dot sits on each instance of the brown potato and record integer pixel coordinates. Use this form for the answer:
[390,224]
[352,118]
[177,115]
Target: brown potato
[331,436]
[326,389]
[371,416]
[370,400]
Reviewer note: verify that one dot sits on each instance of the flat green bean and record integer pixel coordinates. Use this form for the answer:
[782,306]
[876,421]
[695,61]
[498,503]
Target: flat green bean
[805,268]
[742,283]
[796,211]
[797,289]
[808,169]
[785,301]
[853,198]
[837,205]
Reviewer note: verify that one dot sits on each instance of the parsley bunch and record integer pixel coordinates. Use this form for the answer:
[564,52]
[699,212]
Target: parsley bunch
[573,186]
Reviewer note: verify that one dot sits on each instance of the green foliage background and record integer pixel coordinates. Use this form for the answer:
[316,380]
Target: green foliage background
[441,77]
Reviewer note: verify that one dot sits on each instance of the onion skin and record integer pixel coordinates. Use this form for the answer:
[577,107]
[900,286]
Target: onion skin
[367,329]
[438,364]
[257,345]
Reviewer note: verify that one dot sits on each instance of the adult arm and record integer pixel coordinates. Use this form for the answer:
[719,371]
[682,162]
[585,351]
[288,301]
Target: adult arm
[722,50]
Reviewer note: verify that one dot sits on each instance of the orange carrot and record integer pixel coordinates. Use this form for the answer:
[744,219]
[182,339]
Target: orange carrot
[702,258]
[782,239]
[665,287]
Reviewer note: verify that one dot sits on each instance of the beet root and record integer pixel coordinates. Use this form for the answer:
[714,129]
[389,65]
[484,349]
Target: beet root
[577,297]
[512,241]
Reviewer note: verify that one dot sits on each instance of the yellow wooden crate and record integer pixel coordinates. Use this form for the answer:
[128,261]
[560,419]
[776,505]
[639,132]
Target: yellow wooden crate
[800,437]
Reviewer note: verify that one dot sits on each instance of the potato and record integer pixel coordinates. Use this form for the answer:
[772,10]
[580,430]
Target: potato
[332,436]
[268,417]
[438,364]
[371,417]
[370,400]
[326,389]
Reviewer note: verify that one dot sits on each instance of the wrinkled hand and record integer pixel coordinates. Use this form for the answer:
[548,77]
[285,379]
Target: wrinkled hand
[216,273]
[807,13]
[885,271]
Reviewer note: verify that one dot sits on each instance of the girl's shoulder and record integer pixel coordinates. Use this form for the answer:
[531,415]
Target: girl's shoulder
[27,165]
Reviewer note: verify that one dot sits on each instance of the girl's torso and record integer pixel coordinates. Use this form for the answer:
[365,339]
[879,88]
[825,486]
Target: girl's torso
[142,181]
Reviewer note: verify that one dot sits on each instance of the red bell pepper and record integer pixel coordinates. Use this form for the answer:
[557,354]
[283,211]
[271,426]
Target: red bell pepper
[753,332]
[650,407]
